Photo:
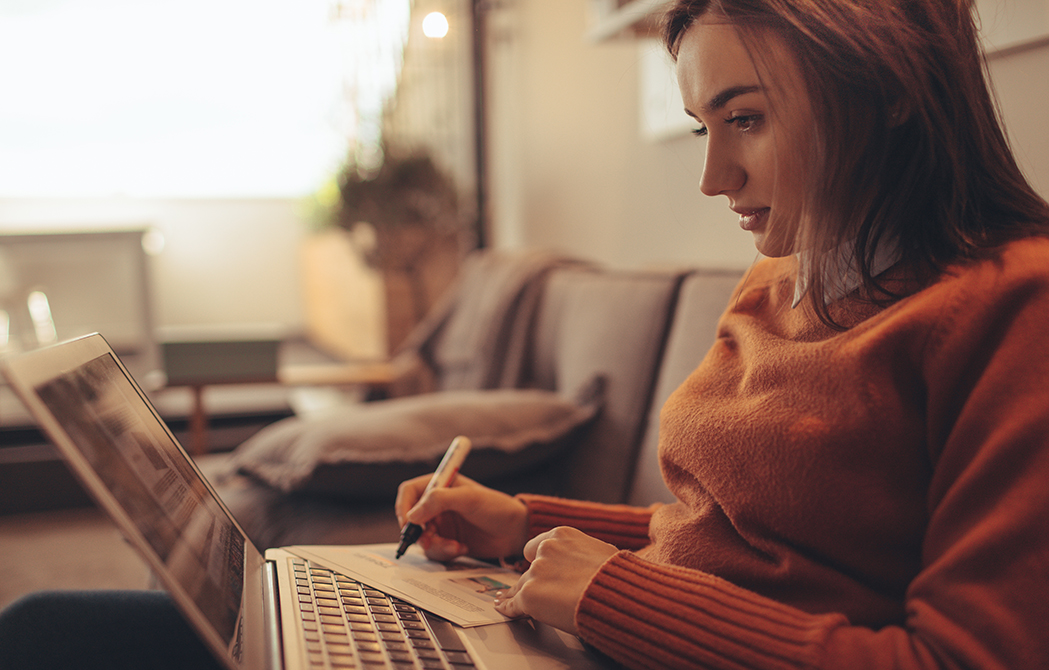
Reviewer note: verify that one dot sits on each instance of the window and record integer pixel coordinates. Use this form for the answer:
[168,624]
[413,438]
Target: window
[198,98]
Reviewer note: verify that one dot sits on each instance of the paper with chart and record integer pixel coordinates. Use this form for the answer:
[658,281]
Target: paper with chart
[462,591]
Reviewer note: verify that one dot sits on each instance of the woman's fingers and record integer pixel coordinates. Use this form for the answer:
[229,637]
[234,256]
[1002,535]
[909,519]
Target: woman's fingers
[408,494]
[464,518]
[509,607]
[415,504]
[438,548]
[564,560]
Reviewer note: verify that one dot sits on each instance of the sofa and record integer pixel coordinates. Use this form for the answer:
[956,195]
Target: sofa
[576,360]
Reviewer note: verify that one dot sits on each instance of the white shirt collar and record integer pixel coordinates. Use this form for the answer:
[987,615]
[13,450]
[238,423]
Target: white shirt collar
[842,272]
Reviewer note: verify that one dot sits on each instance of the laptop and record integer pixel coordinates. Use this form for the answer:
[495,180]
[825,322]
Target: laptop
[276,610]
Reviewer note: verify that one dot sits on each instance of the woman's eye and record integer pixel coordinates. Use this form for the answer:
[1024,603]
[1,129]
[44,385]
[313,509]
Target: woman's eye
[744,122]
[700,132]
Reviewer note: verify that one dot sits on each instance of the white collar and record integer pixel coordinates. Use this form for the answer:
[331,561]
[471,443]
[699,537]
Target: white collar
[842,273]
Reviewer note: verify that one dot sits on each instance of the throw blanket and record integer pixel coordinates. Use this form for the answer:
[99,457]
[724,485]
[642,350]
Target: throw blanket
[476,336]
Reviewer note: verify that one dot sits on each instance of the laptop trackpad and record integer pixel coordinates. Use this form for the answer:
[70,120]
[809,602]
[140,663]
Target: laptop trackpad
[527,644]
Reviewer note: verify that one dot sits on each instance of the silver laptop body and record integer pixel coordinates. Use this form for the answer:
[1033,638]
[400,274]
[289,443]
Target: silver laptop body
[241,603]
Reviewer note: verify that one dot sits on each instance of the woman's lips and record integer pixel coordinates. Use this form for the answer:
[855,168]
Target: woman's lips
[753,219]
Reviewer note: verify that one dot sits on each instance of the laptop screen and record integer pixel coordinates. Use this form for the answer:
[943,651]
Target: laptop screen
[139,462]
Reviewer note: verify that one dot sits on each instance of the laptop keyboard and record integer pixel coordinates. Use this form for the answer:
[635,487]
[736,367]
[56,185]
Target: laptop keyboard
[349,625]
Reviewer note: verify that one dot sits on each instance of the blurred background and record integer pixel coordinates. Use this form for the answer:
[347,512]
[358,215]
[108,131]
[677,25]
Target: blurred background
[314,171]
[220,129]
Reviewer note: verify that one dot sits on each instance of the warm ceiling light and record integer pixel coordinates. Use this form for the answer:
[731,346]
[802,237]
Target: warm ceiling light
[435,25]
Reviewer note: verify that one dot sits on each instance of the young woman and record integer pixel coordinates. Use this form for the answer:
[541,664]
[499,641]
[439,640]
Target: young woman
[861,460]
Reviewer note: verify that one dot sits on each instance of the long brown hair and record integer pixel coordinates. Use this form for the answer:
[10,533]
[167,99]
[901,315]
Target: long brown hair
[910,146]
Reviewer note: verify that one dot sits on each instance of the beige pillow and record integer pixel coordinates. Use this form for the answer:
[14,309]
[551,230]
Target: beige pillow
[364,451]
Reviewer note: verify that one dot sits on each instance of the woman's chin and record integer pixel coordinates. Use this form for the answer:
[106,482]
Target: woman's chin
[770,247]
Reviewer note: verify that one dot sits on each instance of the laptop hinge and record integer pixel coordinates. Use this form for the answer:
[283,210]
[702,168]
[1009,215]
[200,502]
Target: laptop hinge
[271,616]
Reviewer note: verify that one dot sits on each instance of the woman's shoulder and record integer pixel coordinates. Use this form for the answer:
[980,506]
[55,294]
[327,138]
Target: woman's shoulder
[1022,262]
[986,292]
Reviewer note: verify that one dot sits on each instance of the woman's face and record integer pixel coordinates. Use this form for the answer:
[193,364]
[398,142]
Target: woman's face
[757,158]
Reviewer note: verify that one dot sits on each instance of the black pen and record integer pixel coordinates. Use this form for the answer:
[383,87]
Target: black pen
[443,476]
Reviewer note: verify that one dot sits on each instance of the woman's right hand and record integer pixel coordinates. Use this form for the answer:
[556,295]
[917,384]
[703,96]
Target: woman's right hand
[464,519]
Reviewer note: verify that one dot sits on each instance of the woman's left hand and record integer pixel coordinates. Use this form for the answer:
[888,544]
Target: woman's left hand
[564,560]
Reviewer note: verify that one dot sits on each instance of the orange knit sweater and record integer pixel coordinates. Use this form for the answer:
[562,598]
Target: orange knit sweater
[873,498]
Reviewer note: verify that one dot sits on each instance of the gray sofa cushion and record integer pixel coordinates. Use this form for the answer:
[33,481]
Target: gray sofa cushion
[364,451]
[612,324]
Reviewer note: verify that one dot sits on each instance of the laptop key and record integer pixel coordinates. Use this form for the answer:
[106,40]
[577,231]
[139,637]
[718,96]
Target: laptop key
[373,657]
[445,633]
[458,658]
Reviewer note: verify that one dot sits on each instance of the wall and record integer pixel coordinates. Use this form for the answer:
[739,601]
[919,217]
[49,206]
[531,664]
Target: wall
[224,261]
[1021,81]
[569,168]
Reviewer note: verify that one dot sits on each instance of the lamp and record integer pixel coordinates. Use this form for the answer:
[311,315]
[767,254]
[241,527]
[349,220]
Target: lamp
[435,25]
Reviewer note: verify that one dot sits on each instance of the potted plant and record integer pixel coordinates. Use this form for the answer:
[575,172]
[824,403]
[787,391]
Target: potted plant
[409,211]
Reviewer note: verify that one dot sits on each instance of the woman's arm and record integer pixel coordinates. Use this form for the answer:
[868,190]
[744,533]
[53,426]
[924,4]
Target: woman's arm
[623,526]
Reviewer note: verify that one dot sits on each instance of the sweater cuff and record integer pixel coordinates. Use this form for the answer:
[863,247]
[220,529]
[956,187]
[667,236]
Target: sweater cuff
[647,615]
[623,526]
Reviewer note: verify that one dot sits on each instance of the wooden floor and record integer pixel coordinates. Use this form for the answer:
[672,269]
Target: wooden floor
[66,549]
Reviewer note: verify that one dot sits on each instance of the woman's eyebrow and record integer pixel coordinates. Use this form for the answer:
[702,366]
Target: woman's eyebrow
[723,98]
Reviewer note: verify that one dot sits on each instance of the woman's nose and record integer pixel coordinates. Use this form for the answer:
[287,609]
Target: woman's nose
[722,173]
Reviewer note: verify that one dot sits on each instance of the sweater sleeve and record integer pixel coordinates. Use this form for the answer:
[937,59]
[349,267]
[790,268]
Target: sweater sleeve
[648,615]
[623,526]
[979,599]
